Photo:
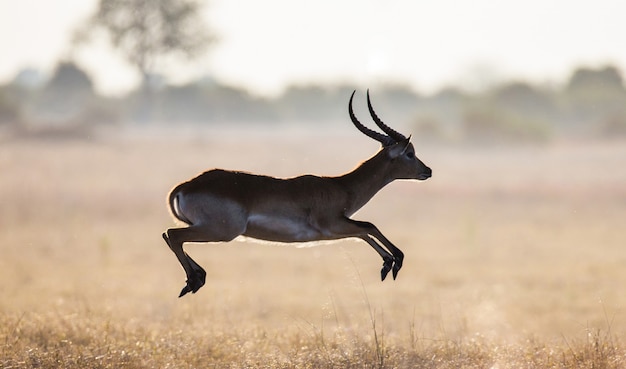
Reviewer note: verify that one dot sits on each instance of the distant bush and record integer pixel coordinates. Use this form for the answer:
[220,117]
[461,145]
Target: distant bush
[591,103]
[9,110]
[63,98]
[489,123]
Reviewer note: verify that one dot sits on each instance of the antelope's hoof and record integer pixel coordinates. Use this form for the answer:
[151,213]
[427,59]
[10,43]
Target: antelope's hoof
[387,265]
[194,282]
[397,264]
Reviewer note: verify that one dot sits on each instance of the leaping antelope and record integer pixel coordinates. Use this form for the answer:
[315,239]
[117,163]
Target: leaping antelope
[219,205]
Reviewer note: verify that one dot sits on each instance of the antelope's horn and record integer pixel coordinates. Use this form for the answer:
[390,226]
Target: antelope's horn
[384,140]
[395,135]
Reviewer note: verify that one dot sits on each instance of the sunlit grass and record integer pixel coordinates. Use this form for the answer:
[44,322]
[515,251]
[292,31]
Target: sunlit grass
[77,341]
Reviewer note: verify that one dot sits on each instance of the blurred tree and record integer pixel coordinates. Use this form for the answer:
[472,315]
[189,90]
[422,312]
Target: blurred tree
[523,98]
[18,95]
[147,30]
[486,122]
[9,110]
[201,102]
[69,77]
[594,97]
[28,79]
[66,95]
[607,78]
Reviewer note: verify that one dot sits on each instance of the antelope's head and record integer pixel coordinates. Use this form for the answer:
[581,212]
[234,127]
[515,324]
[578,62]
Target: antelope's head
[396,148]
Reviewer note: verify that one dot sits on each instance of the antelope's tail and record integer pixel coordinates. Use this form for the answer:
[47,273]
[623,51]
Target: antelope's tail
[173,202]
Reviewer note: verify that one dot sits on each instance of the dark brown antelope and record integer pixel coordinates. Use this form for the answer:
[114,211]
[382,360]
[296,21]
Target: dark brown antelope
[220,205]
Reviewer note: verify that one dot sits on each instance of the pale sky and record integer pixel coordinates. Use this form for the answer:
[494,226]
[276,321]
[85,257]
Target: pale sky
[267,45]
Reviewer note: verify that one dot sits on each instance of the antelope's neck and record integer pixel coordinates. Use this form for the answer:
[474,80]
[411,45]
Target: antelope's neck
[364,182]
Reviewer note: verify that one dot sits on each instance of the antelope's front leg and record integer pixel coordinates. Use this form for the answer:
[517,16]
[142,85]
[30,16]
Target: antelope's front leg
[397,263]
[392,256]
[387,266]
[397,255]
[393,263]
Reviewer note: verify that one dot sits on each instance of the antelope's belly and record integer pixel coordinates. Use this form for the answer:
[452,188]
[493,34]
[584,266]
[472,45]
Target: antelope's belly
[281,229]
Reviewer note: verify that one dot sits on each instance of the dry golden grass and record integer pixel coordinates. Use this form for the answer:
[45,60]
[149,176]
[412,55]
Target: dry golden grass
[514,258]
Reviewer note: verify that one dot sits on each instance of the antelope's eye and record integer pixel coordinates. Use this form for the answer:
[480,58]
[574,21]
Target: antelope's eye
[410,155]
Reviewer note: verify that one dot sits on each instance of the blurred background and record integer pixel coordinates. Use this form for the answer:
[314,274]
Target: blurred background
[518,106]
[444,71]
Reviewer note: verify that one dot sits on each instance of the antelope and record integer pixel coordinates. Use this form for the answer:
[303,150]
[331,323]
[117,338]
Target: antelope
[220,205]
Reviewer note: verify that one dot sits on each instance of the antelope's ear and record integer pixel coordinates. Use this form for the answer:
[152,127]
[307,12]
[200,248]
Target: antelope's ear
[399,148]
[406,144]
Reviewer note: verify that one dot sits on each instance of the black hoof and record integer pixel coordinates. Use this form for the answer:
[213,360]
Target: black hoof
[184,291]
[194,282]
[397,264]
[387,265]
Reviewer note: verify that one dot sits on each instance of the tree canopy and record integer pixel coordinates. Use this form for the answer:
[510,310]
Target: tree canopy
[146,30]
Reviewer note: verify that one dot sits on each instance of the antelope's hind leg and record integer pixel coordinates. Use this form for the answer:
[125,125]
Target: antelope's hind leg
[210,221]
[208,232]
[196,275]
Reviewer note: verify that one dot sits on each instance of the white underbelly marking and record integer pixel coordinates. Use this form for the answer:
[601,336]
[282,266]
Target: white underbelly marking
[299,245]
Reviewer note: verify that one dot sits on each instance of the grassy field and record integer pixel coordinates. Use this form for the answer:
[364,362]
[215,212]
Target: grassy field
[515,257]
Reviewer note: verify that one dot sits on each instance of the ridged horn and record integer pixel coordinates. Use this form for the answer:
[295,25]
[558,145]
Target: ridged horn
[395,135]
[384,140]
